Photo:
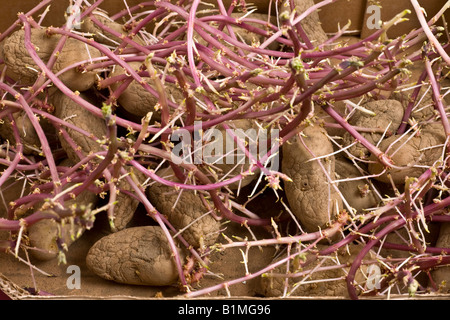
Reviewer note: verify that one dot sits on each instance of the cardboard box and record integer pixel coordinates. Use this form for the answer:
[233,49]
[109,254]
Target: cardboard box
[15,275]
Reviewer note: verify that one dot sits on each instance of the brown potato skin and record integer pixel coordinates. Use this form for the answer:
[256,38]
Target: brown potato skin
[18,60]
[353,190]
[28,136]
[88,26]
[73,113]
[11,190]
[307,194]
[44,233]
[126,205]
[311,24]
[389,113]
[202,232]
[409,154]
[66,109]
[224,168]
[136,100]
[441,274]
[137,256]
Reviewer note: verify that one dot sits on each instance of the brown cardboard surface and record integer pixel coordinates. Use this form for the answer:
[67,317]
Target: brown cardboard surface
[338,14]
[390,9]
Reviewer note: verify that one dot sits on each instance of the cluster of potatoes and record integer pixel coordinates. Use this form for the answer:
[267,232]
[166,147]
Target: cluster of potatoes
[314,160]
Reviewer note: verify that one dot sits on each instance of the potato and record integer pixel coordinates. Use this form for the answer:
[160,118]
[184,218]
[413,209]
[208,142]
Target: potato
[11,190]
[137,100]
[402,237]
[414,156]
[388,115]
[440,275]
[137,256]
[126,205]
[274,286]
[22,68]
[45,233]
[185,210]
[28,136]
[311,197]
[333,131]
[106,38]
[424,106]
[228,169]
[68,110]
[357,193]
[311,24]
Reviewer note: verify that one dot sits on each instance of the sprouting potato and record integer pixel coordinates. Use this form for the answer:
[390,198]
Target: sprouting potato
[68,110]
[311,197]
[185,210]
[21,67]
[138,256]
[137,100]
[440,274]
[411,154]
[384,114]
[45,234]
[356,191]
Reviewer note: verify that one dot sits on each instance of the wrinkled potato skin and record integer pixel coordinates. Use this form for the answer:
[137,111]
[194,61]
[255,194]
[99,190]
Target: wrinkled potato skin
[137,256]
[126,205]
[18,60]
[311,24]
[409,154]
[353,190]
[441,275]
[189,207]
[11,190]
[308,193]
[244,125]
[65,107]
[44,233]
[424,106]
[389,113]
[68,110]
[88,26]
[28,136]
[136,100]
